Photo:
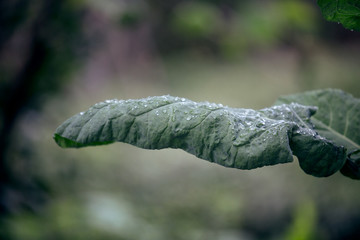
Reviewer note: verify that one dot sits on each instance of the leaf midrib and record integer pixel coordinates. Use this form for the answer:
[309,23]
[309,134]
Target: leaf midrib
[333,131]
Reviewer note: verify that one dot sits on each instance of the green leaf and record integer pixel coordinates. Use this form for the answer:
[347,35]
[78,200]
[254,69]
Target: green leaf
[237,138]
[337,119]
[346,12]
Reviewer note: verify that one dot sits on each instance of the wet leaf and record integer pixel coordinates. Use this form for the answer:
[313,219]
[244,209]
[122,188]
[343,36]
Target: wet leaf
[232,137]
[337,119]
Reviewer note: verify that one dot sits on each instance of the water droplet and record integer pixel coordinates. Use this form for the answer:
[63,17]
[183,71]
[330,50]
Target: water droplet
[81,113]
[188,118]
[183,99]
[164,111]
[145,105]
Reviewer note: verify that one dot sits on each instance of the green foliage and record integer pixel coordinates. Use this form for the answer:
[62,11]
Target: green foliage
[237,138]
[196,20]
[346,12]
[304,224]
[338,119]
[267,26]
[232,33]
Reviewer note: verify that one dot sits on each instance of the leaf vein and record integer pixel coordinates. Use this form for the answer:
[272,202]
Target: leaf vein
[318,122]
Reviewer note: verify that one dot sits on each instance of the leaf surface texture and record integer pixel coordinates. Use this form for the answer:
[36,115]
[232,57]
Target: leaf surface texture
[346,12]
[232,137]
[337,118]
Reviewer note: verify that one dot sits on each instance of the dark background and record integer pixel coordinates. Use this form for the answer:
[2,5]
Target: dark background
[58,57]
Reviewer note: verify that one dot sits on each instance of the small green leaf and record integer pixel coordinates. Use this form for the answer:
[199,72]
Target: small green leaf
[337,119]
[237,138]
[346,12]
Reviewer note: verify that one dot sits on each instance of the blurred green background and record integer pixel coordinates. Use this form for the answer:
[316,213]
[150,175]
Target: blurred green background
[59,57]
